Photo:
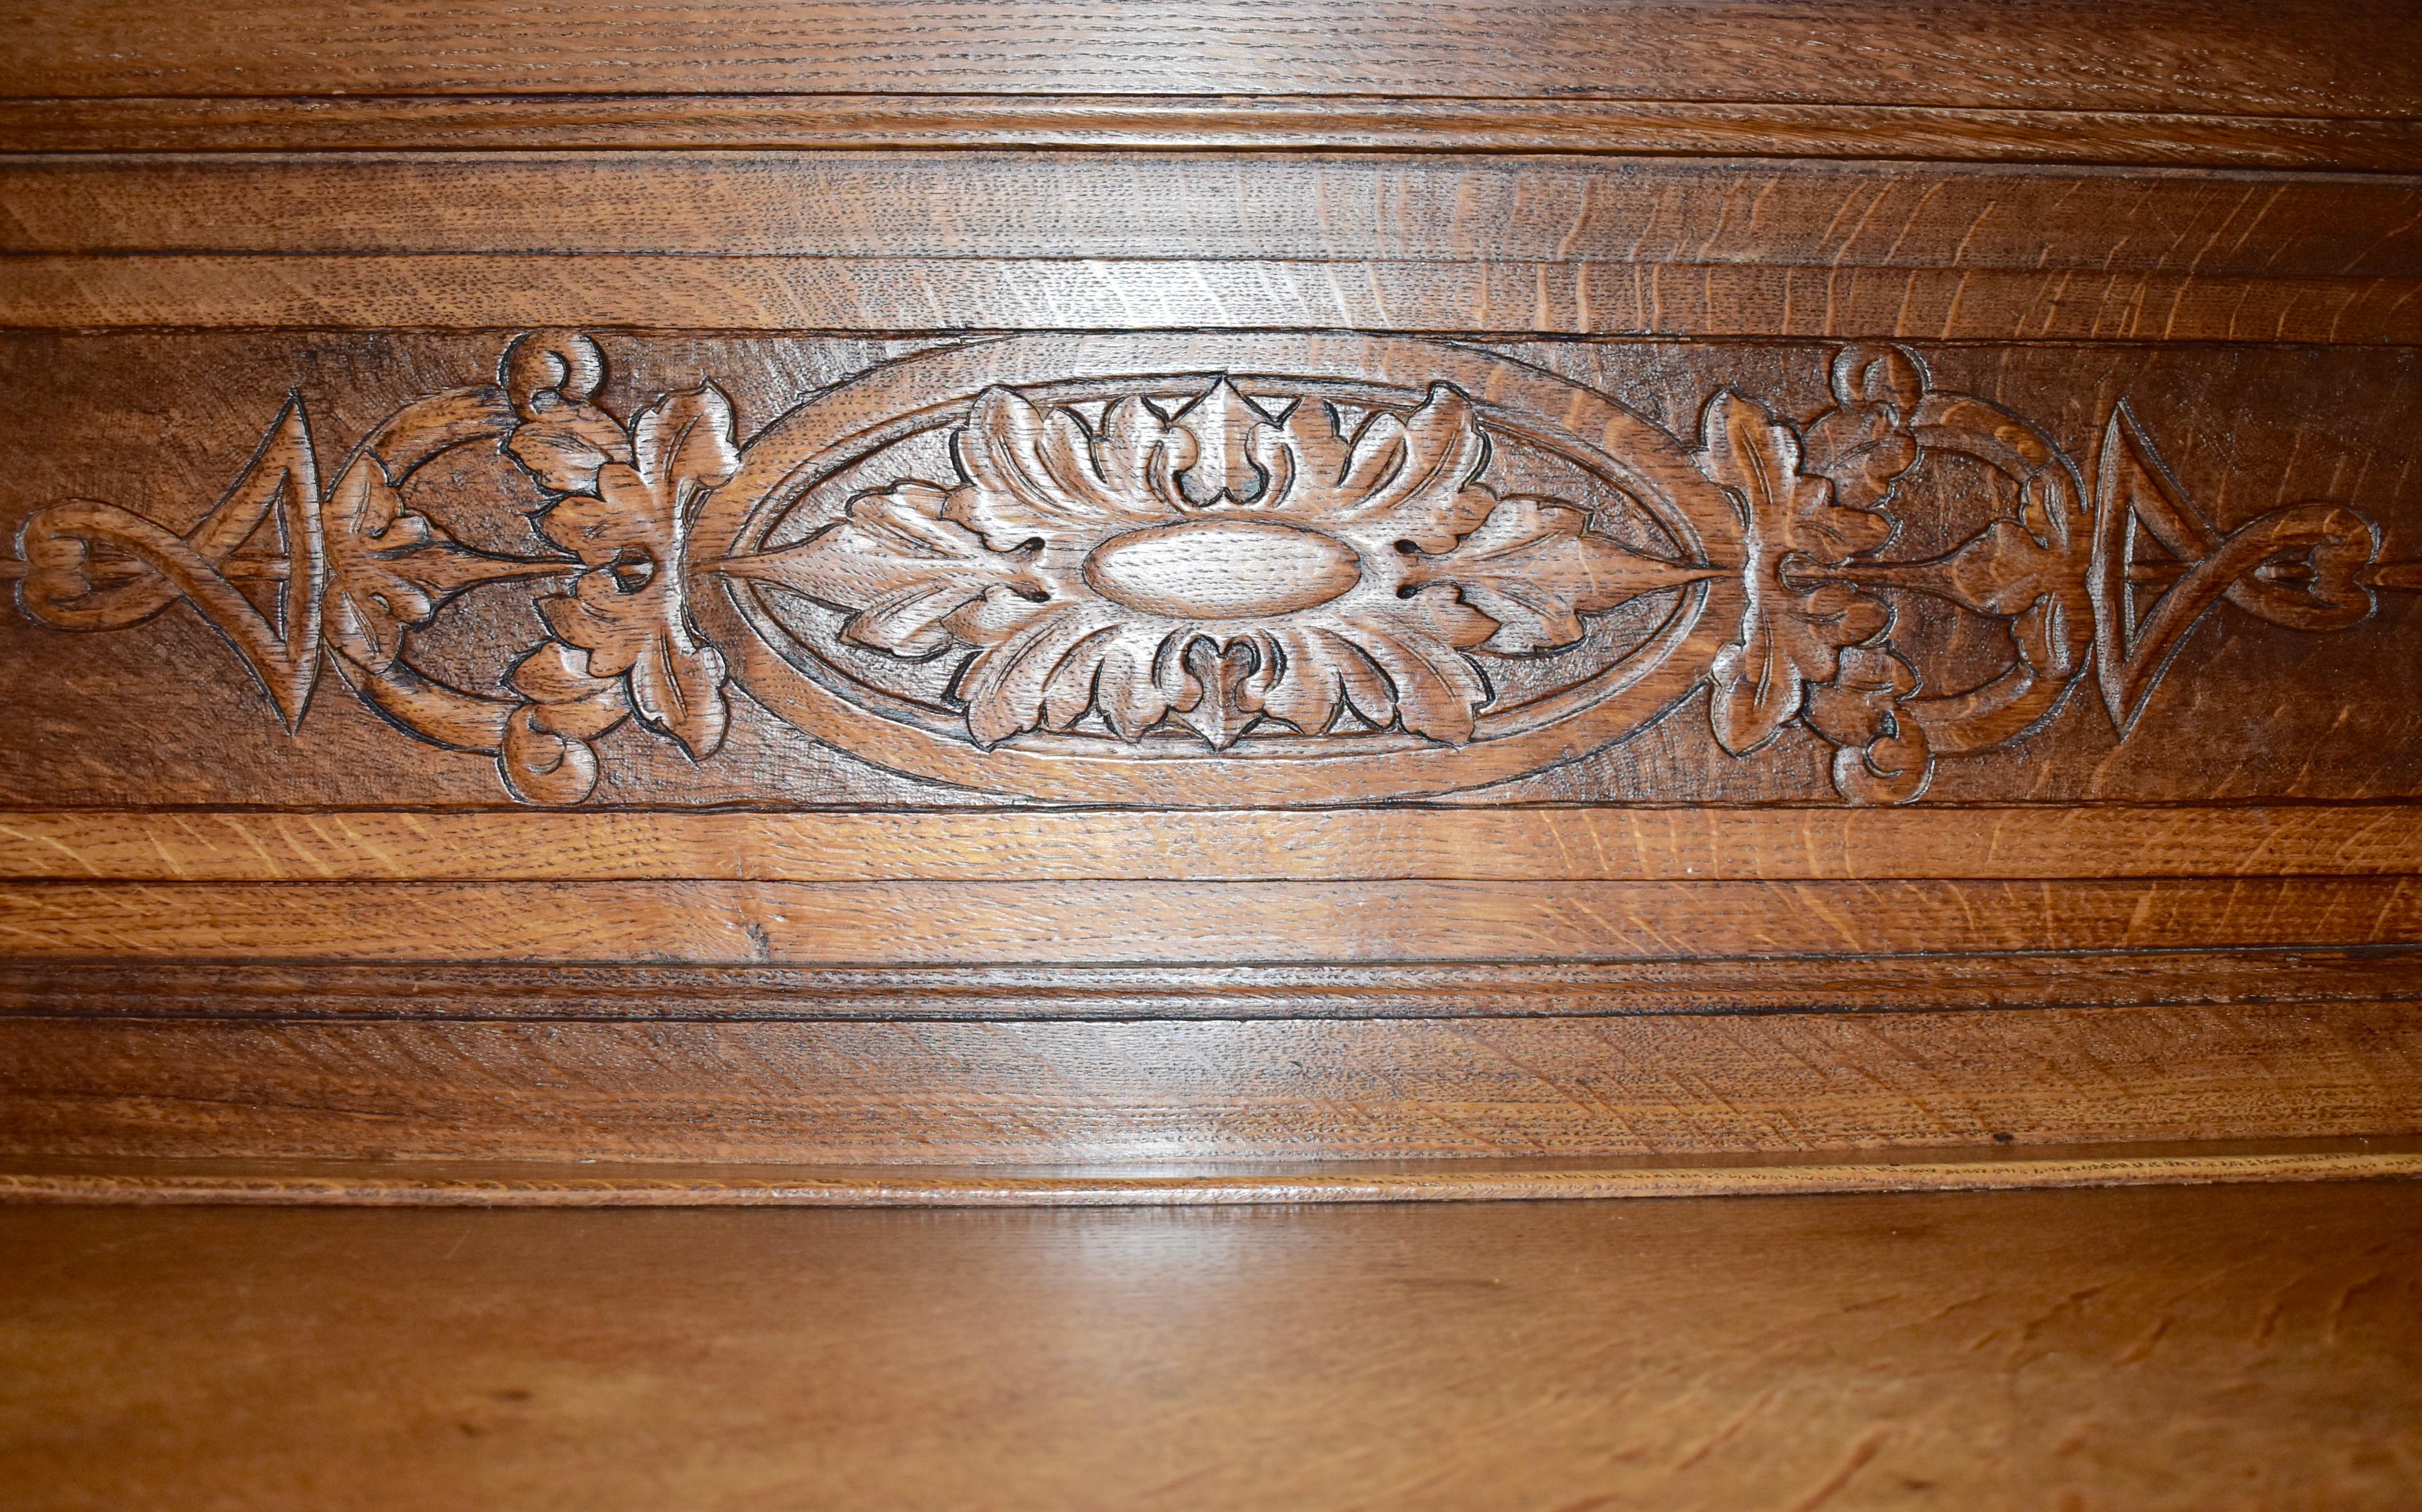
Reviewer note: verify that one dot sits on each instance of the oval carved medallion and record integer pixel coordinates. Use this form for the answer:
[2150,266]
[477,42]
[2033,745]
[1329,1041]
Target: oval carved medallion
[1314,568]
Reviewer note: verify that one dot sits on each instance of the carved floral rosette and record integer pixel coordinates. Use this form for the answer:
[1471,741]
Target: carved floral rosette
[1213,569]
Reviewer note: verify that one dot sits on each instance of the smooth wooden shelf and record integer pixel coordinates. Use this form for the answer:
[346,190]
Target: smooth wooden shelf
[2200,1348]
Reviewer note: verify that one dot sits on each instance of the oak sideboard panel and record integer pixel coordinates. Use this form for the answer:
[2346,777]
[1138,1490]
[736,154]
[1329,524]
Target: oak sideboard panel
[337,568]
[825,585]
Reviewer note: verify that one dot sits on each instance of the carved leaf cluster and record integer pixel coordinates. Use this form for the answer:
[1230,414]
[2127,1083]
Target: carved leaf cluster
[627,498]
[390,570]
[1535,568]
[1792,631]
[998,564]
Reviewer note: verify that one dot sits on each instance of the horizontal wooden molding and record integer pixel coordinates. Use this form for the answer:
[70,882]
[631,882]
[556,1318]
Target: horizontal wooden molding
[1216,207]
[1461,843]
[754,241]
[1974,981]
[465,1184]
[2322,57]
[1150,122]
[893,1093]
[1182,922]
[934,295]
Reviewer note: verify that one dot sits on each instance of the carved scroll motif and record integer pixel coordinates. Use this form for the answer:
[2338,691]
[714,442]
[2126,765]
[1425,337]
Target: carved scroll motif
[1293,574]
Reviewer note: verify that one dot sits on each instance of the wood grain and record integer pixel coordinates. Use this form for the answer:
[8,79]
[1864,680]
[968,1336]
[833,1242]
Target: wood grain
[2304,57]
[794,293]
[895,242]
[1509,409]
[136,989]
[882,1093]
[2246,431]
[1159,122]
[69,1181]
[1538,844]
[1607,212]
[1179,922]
[2172,1350]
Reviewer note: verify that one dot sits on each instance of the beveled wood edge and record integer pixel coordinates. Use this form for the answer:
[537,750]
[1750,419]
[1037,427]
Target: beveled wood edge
[379,1185]
[1245,122]
[1389,844]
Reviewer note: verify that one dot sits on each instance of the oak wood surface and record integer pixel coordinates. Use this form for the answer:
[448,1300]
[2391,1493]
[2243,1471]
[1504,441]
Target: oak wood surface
[805,292]
[1239,580]
[1057,1091]
[53,1180]
[2300,58]
[1537,845]
[2246,430]
[459,123]
[1183,922]
[2203,1350]
[1308,206]
[904,240]
[1938,982]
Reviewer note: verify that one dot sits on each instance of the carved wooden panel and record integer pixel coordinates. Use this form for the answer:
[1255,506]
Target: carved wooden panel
[842,602]
[1267,568]
[814,580]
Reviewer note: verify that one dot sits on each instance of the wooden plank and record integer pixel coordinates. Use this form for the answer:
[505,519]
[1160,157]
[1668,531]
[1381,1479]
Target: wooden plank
[1224,207]
[1302,122]
[930,296]
[1370,844]
[1141,922]
[2158,1348]
[1931,983]
[885,1092]
[57,1181]
[2323,58]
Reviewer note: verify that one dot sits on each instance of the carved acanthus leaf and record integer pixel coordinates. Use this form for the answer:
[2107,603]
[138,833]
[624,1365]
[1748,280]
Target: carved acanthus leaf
[390,570]
[1054,560]
[372,597]
[1223,424]
[1400,479]
[626,612]
[2034,571]
[1434,689]
[1535,568]
[546,753]
[563,437]
[902,566]
[1864,443]
[1033,474]
[1792,633]
[1883,755]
